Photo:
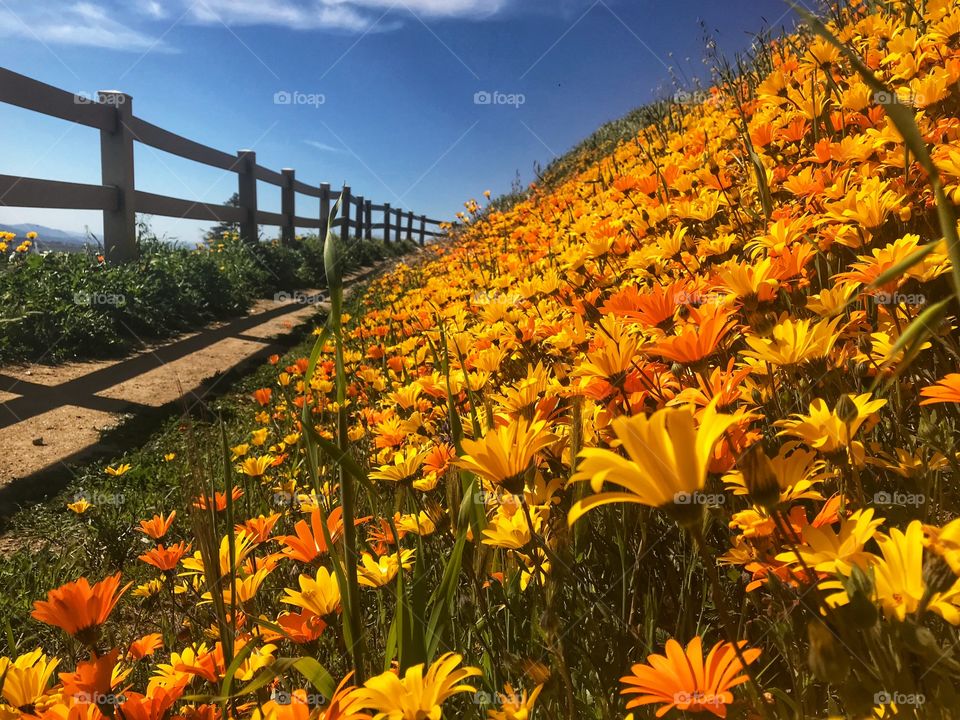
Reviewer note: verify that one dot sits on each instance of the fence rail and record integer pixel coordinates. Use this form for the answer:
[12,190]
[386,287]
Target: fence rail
[117,197]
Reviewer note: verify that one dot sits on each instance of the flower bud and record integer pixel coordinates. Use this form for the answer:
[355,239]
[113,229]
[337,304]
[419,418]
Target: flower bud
[759,477]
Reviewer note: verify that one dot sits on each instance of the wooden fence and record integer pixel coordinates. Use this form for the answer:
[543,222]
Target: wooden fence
[112,114]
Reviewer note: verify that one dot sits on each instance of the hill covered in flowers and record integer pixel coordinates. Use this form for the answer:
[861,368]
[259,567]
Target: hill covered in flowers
[675,435]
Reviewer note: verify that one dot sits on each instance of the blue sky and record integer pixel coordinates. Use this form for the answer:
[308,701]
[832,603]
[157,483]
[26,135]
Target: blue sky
[385,93]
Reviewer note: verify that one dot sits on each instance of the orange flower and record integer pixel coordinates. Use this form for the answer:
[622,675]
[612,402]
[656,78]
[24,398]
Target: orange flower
[945,390]
[95,678]
[157,526]
[308,541]
[155,706]
[298,628]
[219,500]
[78,608]
[144,646]
[263,396]
[259,528]
[697,339]
[684,680]
[165,558]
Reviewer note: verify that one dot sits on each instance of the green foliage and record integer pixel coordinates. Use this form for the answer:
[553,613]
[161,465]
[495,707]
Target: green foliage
[62,306]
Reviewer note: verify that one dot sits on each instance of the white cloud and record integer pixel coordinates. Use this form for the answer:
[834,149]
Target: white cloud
[355,15]
[138,25]
[84,23]
[295,14]
[439,8]
[323,146]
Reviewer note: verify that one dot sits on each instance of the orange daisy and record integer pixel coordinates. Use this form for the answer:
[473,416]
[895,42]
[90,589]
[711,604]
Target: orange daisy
[684,680]
[944,390]
[79,608]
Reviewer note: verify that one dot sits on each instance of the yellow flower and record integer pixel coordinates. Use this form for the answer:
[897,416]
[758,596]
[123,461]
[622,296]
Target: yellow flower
[259,437]
[794,342]
[824,550]
[824,430]
[417,696]
[508,527]
[25,680]
[377,573]
[667,458]
[319,595]
[406,464]
[80,506]
[119,470]
[505,453]
[256,466]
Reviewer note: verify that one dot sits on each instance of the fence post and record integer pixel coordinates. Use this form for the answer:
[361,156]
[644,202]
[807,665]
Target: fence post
[386,223]
[423,229]
[399,225]
[410,225]
[345,213]
[288,206]
[116,169]
[358,231]
[247,193]
[368,224]
[324,209]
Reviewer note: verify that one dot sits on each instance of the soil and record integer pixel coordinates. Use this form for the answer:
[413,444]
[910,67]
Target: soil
[54,417]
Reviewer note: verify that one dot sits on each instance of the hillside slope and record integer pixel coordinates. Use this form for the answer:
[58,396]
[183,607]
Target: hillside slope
[675,435]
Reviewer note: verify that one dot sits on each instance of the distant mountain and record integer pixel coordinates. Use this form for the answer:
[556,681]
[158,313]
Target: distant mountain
[49,238]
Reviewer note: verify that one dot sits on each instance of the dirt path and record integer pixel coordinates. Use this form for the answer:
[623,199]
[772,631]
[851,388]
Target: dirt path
[53,417]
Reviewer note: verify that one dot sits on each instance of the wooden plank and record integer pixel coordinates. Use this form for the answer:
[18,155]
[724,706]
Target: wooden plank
[270,218]
[152,204]
[30,94]
[386,222]
[36,193]
[164,140]
[116,170]
[247,193]
[324,208]
[288,205]
[268,176]
[304,189]
[303,222]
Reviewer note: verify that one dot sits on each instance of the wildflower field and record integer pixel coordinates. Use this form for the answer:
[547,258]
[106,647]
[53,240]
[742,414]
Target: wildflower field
[674,436]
